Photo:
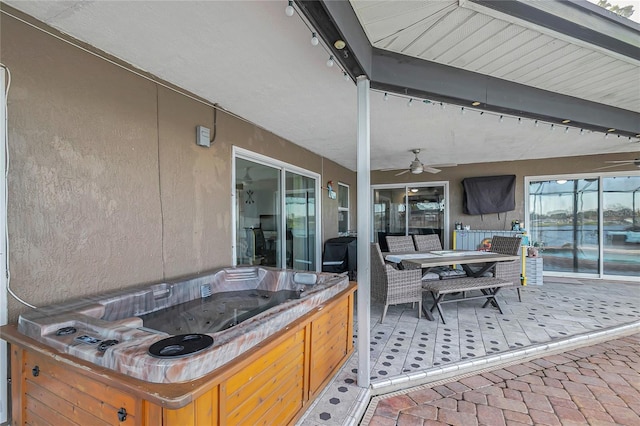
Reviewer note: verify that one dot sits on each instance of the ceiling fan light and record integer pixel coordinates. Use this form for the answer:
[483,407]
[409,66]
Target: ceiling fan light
[417,170]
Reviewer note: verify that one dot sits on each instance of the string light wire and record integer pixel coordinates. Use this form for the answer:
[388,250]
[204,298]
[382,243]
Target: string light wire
[315,37]
[501,117]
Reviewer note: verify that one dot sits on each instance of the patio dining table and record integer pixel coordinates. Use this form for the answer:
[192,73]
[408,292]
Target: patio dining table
[428,260]
[464,258]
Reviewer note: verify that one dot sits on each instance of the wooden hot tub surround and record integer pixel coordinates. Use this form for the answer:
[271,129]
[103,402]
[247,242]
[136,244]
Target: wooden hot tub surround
[271,383]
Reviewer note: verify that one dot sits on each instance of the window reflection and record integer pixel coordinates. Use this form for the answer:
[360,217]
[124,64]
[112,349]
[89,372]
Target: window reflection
[565,224]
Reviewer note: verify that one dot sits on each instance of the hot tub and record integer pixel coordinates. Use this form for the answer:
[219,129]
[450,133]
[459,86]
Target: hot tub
[181,330]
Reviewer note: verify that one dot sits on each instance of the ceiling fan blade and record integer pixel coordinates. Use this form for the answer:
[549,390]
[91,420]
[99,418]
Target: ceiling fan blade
[621,161]
[403,172]
[444,165]
[431,169]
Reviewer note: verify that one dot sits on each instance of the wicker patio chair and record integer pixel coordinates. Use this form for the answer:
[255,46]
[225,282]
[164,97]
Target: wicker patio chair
[392,286]
[400,243]
[511,270]
[428,242]
[431,242]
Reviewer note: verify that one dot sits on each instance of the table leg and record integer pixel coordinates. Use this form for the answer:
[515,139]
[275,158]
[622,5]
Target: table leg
[478,273]
[427,313]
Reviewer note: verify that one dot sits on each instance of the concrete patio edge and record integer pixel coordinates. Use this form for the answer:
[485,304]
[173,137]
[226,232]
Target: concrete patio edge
[401,384]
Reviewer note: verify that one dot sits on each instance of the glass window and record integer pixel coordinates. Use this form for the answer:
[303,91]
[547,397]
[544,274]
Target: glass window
[621,225]
[300,210]
[258,236]
[581,231]
[343,209]
[564,222]
[275,214]
[407,210]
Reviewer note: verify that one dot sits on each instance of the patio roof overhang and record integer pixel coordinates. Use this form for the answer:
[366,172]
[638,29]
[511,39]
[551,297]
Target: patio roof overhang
[409,75]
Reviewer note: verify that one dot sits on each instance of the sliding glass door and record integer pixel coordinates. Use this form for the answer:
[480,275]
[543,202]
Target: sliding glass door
[264,235]
[410,209]
[621,225]
[564,222]
[300,211]
[586,225]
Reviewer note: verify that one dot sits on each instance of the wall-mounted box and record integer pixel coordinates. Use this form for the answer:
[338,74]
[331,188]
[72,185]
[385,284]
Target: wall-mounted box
[202,136]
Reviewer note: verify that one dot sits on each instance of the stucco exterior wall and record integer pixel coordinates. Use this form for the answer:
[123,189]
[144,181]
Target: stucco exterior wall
[522,169]
[107,188]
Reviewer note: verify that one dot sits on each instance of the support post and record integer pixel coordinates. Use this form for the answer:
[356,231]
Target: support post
[364,232]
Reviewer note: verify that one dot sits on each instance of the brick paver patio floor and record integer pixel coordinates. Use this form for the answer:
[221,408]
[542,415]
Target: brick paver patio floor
[592,385]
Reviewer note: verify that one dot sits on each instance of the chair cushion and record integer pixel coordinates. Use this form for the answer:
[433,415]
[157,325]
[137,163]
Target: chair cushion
[430,276]
[446,273]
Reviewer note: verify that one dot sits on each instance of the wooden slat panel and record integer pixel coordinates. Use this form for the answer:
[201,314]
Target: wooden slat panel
[458,55]
[152,414]
[17,384]
[285,409]
[73,411]
[350,305]
[509,41]
[68,392]
[423,44]
[207,408]
[522,50]
[287,385]
[568,56]
[307,364]
[462,38]
[254,394]
[266,379]
[326,361]
[328,343]
[34,420]
[570,70]
[98,392]
[46,413]
[384,20]
[180,417]
[248,372]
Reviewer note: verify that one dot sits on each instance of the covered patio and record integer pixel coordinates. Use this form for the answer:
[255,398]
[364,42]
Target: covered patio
[406,351]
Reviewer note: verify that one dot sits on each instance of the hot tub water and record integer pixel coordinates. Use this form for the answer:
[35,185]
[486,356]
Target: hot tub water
[216,312]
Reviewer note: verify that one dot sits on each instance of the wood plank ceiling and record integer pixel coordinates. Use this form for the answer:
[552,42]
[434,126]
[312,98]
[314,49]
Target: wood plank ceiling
[457,34]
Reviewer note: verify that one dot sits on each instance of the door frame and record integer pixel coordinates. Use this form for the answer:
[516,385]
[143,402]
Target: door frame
[4,303]
[444,184]
[527,219]
[283,167]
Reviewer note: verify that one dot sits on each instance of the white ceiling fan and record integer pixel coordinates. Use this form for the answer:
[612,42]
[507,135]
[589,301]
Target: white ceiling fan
[619,163]
[416,167]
